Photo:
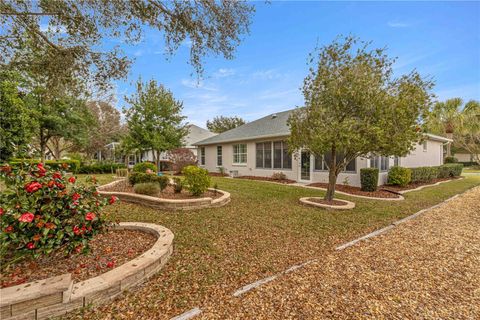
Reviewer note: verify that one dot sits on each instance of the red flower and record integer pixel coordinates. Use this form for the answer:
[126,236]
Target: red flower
[57,175]
[36,237]
[112,200]
[8,229]
[76,230]
[76,196]
[1,211]
[90,216]
[32,186]
[110,264]
[50,225]
[78,248]
[41,170]
[26,217]
[40,224]
[30,245]
[75,203]
[51,183]
[71,179]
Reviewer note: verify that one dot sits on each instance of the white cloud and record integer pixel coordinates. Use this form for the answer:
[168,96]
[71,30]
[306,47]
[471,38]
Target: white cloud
[223,72]
[198,84]
[269,74]
[398,24]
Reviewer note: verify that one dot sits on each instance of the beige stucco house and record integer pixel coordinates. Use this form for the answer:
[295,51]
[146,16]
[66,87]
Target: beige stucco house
[258,148]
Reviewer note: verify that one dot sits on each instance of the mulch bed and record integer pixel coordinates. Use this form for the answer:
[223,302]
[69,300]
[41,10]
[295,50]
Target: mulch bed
[285,181]
[217,174]
[329,202]
[416,185]
[380,193]
[167,193]
[108,250]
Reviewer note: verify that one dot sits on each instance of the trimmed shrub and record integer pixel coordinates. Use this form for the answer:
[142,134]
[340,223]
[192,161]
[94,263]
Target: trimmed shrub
[181,158]
[43,211]
[147,188]
[369,179]
[177,185]
[424,174]
[138,177]
[143,166]
[67,165]
[196,180]
[399,176]
[450,160]
[454,169]
[100,167]
[443,172]
[279,176]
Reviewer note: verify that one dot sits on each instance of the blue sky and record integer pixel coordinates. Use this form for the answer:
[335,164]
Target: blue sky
[439,39]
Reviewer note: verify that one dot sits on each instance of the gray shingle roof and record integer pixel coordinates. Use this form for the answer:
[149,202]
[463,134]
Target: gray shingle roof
[272,125]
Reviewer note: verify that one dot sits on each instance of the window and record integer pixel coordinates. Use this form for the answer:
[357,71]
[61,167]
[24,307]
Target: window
[202,156]
[425,146]
[396,161]
[240,153]
[382,163]
[273,153]
[321,163]
[219,156]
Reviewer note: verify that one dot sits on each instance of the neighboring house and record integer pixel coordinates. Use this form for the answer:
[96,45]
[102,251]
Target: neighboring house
[258,148]
[464,156]
[195,134]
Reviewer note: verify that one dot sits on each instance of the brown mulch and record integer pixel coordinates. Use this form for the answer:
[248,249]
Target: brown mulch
[285,181]
[357,191]
[329,202]
[426,268]
[167,193]
[108,250]
[217,174]
[416,185]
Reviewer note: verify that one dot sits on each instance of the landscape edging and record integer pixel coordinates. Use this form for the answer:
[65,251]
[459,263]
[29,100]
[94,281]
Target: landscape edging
[348,206]
[169,204]
[58,295]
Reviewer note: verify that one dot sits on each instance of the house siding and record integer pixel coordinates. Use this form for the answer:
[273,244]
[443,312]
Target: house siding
[417,158]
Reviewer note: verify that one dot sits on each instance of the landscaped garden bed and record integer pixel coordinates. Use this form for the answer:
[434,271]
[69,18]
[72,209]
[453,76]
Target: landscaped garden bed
[167,193]
[415,185]
[284,181]
[108,250]
[356,191]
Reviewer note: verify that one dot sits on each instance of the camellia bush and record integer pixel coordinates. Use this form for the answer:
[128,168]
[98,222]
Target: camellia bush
[43,210]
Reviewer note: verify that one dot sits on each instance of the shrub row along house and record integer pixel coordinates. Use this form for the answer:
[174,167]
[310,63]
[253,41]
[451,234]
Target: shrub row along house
[259,148]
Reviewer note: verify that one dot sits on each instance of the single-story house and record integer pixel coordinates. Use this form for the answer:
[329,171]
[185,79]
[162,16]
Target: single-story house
[195,134]
[258,148]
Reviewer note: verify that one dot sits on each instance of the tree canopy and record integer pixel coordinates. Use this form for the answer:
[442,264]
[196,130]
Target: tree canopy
[69,34]
[154,119]
[355,107]
[221,124]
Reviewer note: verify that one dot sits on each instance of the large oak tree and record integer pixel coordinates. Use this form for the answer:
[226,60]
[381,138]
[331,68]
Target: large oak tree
[355,107]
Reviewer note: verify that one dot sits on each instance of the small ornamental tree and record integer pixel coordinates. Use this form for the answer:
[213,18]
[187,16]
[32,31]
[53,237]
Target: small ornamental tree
[43,210]
[181,158]
[354,107]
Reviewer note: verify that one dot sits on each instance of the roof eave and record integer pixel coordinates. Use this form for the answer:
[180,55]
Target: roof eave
[206,143]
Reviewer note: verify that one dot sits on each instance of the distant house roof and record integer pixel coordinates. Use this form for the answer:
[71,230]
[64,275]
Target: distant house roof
[195,134]
[273,125]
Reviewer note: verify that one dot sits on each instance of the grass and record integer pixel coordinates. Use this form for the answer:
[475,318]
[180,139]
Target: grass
[263,231]
[471,170]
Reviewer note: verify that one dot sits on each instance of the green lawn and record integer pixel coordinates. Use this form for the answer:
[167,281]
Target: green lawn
[471,170]
[263,231]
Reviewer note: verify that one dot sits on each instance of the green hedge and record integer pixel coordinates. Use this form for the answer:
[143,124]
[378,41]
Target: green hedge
[143,166]
[369,179]
[450,160]
[139,177]
[469,164]
[196,180]
[424,174]
[101,168]
[454,169]
[73,165]
[399,176]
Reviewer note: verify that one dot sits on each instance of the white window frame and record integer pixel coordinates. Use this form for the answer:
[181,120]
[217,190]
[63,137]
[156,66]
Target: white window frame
[219,156]
[236,153]
[425,146]
[202,156]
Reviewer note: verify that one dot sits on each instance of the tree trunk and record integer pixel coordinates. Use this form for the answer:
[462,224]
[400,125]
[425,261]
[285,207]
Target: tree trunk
[42,147]
[332,175]
[158,160]
[449,145]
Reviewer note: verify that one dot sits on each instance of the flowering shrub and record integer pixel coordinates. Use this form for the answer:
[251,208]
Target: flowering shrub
[42,210]
[181,158]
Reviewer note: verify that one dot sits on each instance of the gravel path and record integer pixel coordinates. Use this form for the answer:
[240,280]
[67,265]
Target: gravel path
[426,268]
